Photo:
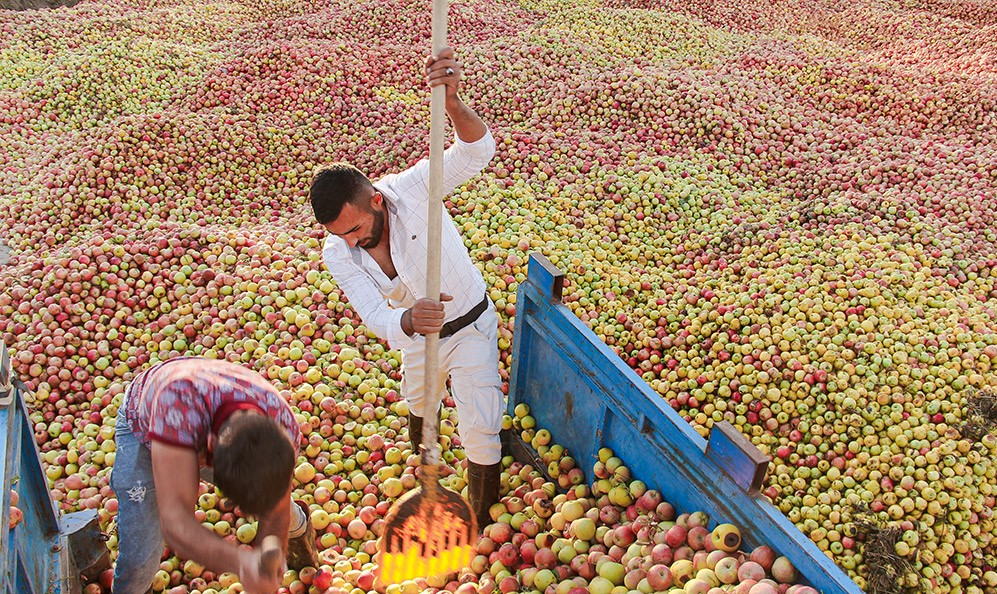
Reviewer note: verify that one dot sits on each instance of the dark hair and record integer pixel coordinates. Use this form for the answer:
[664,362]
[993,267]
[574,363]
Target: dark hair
[253,462]
[333,186]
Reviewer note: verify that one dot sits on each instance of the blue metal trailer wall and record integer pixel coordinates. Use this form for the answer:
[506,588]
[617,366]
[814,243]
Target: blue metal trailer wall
[45,552]
[30,552]
[579,389]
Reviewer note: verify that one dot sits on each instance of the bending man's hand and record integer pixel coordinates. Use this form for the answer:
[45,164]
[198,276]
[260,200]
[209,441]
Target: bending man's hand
[252,580]
[425,317]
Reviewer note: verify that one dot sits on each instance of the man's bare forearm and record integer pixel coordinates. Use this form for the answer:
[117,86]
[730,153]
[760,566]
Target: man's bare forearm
[175,471]
[466,122]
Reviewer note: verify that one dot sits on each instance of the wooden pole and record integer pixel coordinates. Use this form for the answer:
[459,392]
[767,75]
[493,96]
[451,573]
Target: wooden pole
[437,115]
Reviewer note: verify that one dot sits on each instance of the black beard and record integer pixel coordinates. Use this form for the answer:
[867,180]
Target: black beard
[376,231]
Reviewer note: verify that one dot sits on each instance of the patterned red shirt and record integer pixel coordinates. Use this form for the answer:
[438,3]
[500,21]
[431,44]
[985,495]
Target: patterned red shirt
[182,400]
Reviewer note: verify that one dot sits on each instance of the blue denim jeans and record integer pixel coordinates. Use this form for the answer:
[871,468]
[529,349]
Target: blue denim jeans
[140,540]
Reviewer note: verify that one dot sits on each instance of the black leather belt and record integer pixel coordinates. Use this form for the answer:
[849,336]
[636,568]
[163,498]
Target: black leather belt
[454,326]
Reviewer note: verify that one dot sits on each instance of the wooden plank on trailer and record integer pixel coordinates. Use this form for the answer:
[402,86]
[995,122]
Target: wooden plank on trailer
[737,456]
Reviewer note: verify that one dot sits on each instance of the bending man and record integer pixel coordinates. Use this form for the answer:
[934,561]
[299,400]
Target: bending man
[177,417]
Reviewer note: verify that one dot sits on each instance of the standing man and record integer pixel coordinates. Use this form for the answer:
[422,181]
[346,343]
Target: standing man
[184,414]
[377,254]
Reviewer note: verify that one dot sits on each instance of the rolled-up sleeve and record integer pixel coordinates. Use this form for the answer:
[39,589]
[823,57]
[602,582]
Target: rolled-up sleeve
[469,158]
[364,295]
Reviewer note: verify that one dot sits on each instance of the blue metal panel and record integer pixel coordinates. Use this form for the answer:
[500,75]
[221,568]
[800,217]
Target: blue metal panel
[579,389]
[30,553]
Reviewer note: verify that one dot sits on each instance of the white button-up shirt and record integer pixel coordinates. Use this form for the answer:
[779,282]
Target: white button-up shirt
[381,301]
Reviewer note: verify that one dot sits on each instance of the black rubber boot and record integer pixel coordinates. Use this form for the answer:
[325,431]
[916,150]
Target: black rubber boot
[483,490]
[302,550]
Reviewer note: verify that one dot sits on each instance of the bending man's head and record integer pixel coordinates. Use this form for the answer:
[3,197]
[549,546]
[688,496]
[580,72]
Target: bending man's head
[253,461]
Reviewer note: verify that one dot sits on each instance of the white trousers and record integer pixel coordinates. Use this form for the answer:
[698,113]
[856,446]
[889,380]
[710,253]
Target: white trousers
[470,359]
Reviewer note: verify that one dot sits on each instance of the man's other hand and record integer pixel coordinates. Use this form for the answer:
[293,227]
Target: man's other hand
[444,69]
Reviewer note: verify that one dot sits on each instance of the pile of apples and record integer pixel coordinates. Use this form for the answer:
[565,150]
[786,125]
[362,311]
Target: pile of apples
[779,215]
[16,516]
